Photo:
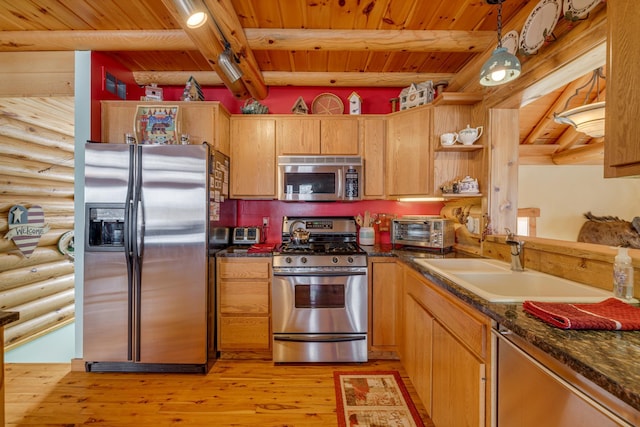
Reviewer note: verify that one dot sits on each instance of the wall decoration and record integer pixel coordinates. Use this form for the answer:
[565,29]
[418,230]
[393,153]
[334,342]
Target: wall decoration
[253,106]
[26,226]
[300,107]
[66,244]
[153,93]
[355,103]
[192,91]
[416,94]
[157,124]
[327,103]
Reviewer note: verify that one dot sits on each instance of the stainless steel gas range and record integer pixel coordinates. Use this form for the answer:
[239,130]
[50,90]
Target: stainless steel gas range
[319,292]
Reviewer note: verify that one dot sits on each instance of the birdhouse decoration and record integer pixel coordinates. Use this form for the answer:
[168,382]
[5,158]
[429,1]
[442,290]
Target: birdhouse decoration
[355,103]
[416,94]
[300,107]
[153,92]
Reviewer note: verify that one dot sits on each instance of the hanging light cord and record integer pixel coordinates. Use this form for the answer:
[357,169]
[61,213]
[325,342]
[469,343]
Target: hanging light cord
[500,25]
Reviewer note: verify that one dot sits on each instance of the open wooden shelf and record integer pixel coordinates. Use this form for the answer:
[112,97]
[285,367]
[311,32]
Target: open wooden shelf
[459,147]
[457,98]
[449,196]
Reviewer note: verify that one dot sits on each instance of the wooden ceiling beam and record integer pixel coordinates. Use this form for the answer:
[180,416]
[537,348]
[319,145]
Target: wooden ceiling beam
[590,154]
[256,39]
[368,40]
[286,78]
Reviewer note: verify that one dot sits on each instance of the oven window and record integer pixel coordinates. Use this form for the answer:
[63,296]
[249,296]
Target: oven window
[310,183]
[319,296]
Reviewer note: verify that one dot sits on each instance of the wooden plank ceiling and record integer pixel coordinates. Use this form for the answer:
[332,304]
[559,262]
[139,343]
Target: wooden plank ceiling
[387,43]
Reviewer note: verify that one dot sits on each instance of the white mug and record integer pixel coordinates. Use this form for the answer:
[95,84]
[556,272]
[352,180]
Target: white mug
[448,138]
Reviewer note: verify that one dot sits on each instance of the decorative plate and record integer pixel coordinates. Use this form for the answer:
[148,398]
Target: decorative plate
[539,25]
[327,103]
[578,9]
[510,42]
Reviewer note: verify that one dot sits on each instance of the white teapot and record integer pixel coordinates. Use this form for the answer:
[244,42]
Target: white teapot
[469,135]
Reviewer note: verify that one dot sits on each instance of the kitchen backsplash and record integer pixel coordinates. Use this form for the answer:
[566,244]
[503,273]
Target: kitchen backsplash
[251,212]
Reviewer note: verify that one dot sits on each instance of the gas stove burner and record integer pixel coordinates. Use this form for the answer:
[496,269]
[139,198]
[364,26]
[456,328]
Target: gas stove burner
[321,248]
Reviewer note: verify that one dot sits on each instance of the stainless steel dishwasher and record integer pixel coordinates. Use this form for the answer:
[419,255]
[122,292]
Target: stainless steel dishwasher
[533,389]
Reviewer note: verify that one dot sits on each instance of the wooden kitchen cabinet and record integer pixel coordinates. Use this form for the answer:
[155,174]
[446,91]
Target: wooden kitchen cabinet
[244,313]
[300,135]
[372,146]
[445,349]
[253,157]
[385,285]
[409,167]
[202,121]
[622,151]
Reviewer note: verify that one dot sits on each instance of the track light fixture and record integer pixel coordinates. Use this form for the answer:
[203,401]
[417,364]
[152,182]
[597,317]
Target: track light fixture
[502,66]
[194,12]
[229,64]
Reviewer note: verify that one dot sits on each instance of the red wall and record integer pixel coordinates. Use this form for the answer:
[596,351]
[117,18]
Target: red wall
[251,212]
[282,98]
[279,101]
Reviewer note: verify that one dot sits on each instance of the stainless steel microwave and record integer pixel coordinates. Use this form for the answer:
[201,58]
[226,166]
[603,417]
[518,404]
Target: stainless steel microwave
[430,232]
[319,178]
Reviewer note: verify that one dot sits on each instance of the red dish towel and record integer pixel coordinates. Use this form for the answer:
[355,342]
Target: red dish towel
[610,314]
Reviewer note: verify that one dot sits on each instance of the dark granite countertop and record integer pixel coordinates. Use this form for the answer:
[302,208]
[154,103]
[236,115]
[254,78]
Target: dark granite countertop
[7,317]
[239,251]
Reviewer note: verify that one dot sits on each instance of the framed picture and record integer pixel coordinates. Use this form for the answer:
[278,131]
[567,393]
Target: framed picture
[157,124]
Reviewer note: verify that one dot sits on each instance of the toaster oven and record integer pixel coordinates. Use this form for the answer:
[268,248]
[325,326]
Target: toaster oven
[429,232]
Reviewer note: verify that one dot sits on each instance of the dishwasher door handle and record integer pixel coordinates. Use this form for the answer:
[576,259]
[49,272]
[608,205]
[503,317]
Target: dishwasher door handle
[319,338]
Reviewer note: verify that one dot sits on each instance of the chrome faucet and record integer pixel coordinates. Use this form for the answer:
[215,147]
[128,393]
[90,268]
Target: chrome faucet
[516,251]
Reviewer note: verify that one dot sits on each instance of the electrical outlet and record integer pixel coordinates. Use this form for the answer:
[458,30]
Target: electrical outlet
[265,221]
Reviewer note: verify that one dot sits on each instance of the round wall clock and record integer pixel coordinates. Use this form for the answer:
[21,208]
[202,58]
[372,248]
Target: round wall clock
[327,103]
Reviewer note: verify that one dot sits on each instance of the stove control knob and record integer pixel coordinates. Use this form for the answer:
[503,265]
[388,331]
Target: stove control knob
[350,260]
[303,260]
[288,260]
[334,260]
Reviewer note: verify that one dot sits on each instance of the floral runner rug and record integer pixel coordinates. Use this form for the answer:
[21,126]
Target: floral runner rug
[374,399]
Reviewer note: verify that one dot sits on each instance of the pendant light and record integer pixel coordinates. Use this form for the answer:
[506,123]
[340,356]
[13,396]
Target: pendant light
[502,67]
[194,12]
[589,117]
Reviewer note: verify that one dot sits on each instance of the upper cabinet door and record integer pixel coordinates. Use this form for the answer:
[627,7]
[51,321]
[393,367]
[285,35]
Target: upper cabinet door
[339,136]
[253,157]
[409,163]
[298,135]
[622,151]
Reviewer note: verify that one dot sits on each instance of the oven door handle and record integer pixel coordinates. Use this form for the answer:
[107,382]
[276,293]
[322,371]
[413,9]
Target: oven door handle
[318,274]
[319,338]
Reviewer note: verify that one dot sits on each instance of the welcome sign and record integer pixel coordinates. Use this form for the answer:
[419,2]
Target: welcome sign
[26,226]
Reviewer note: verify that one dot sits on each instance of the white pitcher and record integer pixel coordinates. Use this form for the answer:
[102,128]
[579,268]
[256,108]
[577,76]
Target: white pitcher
[470,135]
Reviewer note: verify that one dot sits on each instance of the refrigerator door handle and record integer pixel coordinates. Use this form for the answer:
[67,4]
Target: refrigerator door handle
[137,247]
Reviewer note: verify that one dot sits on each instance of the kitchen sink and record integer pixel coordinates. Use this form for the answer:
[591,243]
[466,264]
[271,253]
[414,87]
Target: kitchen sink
[494,281]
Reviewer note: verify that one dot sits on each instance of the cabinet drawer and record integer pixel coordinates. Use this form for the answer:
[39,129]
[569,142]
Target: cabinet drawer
[244,333]
[243,269]
[244,297]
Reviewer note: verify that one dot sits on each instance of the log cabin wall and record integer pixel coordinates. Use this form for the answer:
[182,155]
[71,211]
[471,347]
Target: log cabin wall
[37,169]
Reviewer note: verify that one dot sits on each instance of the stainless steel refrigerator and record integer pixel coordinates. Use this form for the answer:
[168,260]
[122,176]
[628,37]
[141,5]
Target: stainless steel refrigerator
[146,293]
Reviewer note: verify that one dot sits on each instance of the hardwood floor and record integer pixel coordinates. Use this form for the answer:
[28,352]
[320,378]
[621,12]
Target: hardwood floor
[233,393]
